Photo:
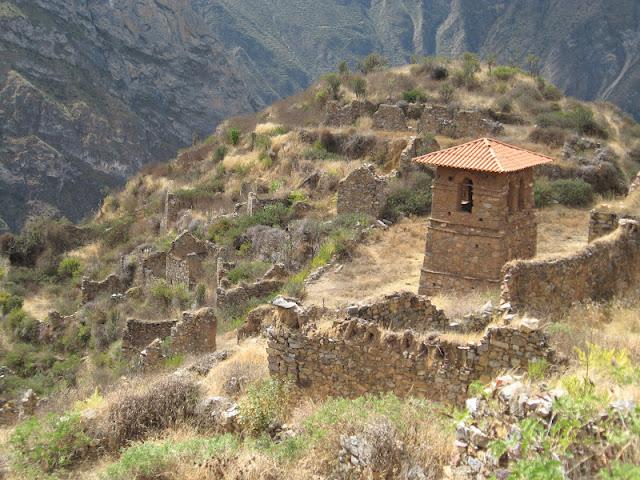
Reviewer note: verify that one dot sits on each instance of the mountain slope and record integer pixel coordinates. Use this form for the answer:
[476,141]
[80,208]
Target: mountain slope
[109,85]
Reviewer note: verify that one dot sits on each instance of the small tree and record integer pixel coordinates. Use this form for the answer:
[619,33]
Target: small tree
[446,92]
[533,64]
[372,62]
[491,61]
[359,87]
[333,85]
[470,65]
[343,68]
[234,136]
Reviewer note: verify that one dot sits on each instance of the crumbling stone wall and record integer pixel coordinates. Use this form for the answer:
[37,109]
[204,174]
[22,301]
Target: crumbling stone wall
[355,357]
[389,117]
[174,205]
[602,223]
[244,292]
[111,285]
[347,115]
[603,269]
[185,258]
[362,191]
[195,333]
[400,311]
[139,334]
[454,123]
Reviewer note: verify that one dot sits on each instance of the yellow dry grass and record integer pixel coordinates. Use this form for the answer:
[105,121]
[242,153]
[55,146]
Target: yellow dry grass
[386,264]
[240,160]
[266,128]
[38,305]
[458,305]
[249,361]
[562,230]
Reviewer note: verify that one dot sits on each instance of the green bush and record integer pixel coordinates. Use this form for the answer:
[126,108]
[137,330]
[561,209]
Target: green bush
[50,444]
[411,196]
[359,86]
[248,271]
[439,72]
[264,404]
[580,118]
[573,192]
[415,95]
[166,294]
[154,459]
[22,326]
[234,136]
[9,302]
[372,62]
[69,267]
[219,153]
[569,192]
[505,73]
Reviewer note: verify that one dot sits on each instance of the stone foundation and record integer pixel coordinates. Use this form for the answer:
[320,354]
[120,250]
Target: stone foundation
[139,334]
[602,270]
[389,117]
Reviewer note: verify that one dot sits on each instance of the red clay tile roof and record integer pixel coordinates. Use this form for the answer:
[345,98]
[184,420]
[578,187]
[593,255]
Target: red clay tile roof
[485,155]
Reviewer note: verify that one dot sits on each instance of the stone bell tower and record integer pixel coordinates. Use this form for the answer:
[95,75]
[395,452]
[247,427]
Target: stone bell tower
[482,216]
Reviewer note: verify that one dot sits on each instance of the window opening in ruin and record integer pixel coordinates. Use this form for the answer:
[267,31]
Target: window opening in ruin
[466,200]
[521,202]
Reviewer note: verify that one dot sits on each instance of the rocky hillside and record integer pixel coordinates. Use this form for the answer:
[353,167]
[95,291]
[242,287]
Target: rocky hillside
[90,91]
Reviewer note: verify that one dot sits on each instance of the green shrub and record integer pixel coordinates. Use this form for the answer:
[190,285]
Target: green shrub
[69,267]
[219,153]
[359,86]
[573,192]
[264,403]
[154,459]
[234,136]
[166,294]
[9,302]
[505,73]
[551,92]
[411,196]
[174,361]
[580,118]
[415,95]
[372,62]
[248,271]
[23,327]
[447,92]
[551,136]
[333,83]
[49,444]
[200,294]
[542,192]
[439,72]
[538,369]
[297,196]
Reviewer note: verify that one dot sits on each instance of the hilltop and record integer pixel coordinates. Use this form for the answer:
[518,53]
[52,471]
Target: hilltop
[237,312]
[92,91]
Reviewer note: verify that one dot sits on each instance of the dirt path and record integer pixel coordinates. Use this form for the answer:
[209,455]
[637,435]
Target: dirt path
[387,263]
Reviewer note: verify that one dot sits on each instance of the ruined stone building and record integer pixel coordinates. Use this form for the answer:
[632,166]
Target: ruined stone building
[483,214]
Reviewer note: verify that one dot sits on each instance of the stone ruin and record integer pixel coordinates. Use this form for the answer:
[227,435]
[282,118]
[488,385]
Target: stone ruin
[363,191]
[389,117]
[112,285]
[195,332]
[347,115]
[271,282]
[353,356]
[600,271]
[603,222]
[456,123]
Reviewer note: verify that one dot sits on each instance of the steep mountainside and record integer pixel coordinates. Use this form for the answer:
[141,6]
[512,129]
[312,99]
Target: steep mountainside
[92,89]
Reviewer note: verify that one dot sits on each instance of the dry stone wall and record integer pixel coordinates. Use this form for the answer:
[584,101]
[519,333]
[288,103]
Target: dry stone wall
[603,269]
[454,123]
[111,285]
[244,292]
[347,115]
[400,311]
[389,117]
[362,191]
[602,223]
[195,333]
[139,334]
[356,357]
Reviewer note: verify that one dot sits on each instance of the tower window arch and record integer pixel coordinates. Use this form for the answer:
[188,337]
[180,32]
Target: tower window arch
[466,196]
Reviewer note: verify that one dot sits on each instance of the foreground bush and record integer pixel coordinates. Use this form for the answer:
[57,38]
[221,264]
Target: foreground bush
[165,404]
[265,403]
[154,459]
[49,444]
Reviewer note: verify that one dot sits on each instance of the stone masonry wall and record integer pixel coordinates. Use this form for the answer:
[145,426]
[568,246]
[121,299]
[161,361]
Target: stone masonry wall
[109,286]
[356,357]
[362,191]
[456,123]
[602,223]
[400,311]
[603,269]
[195,333]
[244,292]
[389,117]
[138,334]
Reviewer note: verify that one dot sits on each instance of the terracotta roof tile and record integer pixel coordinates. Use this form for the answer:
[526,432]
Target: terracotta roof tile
[485,155]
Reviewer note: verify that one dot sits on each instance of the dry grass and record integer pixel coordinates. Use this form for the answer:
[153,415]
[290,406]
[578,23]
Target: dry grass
[458,305]
[38,305]
[248,365]
[562,230]
[388,263]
